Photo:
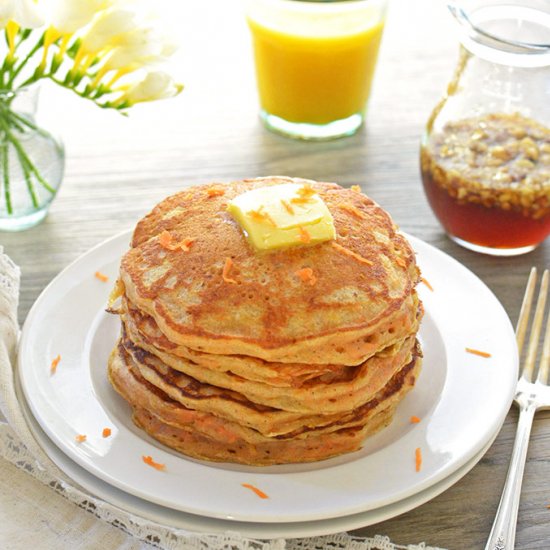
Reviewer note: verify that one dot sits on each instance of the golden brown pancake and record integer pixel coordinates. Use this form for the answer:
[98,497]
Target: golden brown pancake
[256,365]
[363,300]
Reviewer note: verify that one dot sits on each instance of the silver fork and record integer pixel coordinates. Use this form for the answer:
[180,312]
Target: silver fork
[530,396]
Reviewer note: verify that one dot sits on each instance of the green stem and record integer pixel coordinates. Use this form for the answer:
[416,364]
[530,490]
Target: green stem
[16,71]
[6,177]
[30,184]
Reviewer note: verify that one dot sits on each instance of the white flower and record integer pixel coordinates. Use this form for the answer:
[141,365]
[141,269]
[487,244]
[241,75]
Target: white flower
[68,16]
[109,29]
[155,85]
[26,13]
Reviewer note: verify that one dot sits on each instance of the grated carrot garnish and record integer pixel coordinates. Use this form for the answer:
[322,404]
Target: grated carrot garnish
[150,462]
[351,254]
[415,419]
[287,206]
[80,438]
[261,216]
[477,352]
[54,363]
[102,277]
[401,262]
[418,459]
[306,191]
[165,240]
[226,269]
[255,490]
[354,211]
[306,275]
[356,188]
[215,192]
[305,236]
[106,432]
[427,283]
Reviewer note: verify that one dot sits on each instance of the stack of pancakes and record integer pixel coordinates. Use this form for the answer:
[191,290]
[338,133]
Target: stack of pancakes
[231,354]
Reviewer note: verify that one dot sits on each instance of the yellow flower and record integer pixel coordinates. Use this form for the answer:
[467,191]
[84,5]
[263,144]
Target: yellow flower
[69,16]
[155,85]
[27,14]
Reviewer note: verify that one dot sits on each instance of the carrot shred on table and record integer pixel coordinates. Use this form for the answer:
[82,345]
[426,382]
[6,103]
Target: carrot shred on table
[226,269]
[415,419]
[353,210]
[54,363]
[418,459]
[288,207]
[80,438]
[351,254]
[427,283]
[101,276]
[255,490]
[106,432]
[305,236]
[306,275]
[150,462]
[478,352]
[356,188]
[215,192]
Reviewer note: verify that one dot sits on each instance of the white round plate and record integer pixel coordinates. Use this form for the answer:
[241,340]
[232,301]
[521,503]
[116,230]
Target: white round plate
[202,524]
[461,398]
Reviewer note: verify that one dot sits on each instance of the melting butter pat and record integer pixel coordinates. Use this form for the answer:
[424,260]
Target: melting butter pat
[283,215]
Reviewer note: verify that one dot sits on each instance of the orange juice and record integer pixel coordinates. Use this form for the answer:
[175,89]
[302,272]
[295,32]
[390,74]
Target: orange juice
[314,79]
[313,64]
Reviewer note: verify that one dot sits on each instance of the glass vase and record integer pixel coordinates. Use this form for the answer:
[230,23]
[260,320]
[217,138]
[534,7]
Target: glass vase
[32,161]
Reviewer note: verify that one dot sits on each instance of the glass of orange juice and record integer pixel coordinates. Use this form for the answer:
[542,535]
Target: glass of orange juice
[315,63]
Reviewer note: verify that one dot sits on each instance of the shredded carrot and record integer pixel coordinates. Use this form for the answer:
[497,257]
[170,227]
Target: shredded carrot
[257,491]
[304,195]
[415,419]
[106,432]
[103,278]
[261,216]
[165,240]
[427,283]
[354,211]
[287,206]
[226,269]
[418,459]
[54,363]
[80,438]
[306,275]
[215,192]
[351,254]
[401,262]
[305,236]
[356,188]
[150,462]
[477,352]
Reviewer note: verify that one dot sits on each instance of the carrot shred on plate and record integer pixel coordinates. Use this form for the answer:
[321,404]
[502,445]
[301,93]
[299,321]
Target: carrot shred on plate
[80,438]
[101,276]
[150,462]
[226,269]
[106,432]
[423,280]
[478,352]
[255,490]
[418,459]
[306,275]
[415,419]
[54,363]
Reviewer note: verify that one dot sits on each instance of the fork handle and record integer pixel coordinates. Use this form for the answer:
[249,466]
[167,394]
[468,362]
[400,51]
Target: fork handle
[503,533]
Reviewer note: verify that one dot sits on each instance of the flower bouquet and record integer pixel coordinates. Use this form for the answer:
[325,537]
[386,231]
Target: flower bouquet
[106,51]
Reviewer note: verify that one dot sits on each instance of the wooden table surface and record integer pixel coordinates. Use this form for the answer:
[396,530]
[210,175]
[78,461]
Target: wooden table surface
[118,168]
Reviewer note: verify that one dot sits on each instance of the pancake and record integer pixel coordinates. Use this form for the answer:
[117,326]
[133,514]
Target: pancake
[204,435]
[227,354]
[363,300]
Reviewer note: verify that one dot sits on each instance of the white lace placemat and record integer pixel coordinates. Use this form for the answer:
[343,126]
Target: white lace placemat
[65,523]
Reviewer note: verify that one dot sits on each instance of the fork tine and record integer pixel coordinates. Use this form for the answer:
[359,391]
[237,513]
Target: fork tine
[538,318]
[545,359]
[523,319]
